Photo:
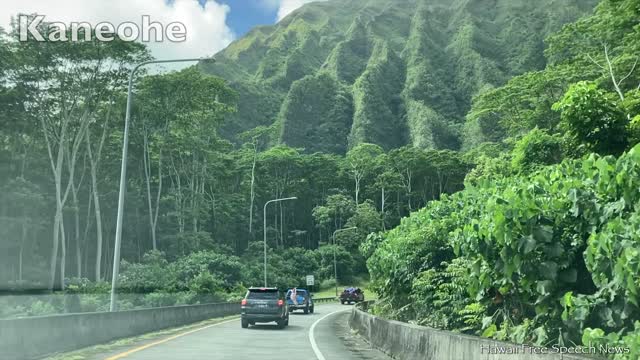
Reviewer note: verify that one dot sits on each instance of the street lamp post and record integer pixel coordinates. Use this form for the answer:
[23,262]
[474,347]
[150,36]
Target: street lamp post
[264,230]
[123,173]
[335,263]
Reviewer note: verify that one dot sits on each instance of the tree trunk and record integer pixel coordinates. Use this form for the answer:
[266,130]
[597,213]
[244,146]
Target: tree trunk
[87,227]
[281,225]
[56,240]
[382,207]
[77,234]
[357,180]
[94,163]
[153,214]
[253,178]
[22,241]
[63,254]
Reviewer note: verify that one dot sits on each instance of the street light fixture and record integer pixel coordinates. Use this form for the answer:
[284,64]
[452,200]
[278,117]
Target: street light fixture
[335,264]
[264,230]
[123,172]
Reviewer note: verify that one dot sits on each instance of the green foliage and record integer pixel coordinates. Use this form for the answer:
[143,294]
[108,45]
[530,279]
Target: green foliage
[619,346]
[440,299]
[524,103]
[405,75]
[601,48]
[336,211]
[419,243]
[592,119]
[490,169]
[545,255]
[316,115]
[631,104]
[535,149]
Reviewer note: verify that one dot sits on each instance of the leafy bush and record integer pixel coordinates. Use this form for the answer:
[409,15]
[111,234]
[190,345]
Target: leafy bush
[419,243]
[440,298]
[615,342]
[535,149]
[592,119]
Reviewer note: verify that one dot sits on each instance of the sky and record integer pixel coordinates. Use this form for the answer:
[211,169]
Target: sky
[210,24]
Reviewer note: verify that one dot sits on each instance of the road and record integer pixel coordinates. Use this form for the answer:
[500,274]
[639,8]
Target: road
[324,335]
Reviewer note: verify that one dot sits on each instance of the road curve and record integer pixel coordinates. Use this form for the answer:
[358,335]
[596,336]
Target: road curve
[323,335]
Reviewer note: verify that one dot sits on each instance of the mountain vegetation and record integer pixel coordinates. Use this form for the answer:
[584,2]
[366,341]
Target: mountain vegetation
[336,74]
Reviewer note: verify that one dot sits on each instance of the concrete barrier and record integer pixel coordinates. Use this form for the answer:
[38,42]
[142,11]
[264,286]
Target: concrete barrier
[411,342]
[34,337]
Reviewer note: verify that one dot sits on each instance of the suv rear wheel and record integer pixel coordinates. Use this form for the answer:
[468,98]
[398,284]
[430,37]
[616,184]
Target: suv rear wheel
[245,323]
[281,324]
[311,309]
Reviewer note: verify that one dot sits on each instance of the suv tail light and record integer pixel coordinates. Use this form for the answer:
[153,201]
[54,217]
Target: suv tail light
[280,302]
[244,302]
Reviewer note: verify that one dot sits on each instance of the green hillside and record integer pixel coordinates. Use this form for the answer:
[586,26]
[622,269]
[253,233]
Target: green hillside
[335,74]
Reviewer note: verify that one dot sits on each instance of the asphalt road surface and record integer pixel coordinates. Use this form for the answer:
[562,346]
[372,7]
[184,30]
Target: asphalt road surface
[324,335]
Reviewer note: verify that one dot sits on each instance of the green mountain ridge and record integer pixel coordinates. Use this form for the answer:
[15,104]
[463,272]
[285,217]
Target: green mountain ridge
[335,74]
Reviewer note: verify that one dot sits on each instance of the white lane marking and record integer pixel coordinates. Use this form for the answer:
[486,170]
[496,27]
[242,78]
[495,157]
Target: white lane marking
[314,346]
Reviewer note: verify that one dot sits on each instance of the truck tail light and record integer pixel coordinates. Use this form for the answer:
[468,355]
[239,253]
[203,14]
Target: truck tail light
[280,302]
[243,302]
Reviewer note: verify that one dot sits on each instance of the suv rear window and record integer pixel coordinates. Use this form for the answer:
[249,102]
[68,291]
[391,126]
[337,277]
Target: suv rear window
[268,294]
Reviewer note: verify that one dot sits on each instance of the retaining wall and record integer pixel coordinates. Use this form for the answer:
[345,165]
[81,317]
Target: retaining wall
[411,342]
[34,337]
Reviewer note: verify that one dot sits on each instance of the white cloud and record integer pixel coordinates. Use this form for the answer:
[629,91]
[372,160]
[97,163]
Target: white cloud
[207,31]
[284,7]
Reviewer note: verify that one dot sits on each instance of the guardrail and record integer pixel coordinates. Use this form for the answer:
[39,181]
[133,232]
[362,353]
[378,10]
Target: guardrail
[325,299]
[35,337]
[405,341]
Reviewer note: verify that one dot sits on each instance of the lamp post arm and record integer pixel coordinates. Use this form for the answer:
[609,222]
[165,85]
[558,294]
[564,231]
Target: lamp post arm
[264,231]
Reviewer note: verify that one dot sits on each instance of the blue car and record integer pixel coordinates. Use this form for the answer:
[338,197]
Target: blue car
[304,301]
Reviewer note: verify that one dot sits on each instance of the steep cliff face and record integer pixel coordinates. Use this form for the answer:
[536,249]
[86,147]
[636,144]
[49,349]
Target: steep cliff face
[337,73]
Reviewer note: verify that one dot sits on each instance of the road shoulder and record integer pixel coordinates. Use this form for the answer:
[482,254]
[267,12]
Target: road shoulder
[111,349]
[336,340]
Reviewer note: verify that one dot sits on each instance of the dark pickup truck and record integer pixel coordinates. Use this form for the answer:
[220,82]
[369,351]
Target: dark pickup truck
[263,305]
[350,295]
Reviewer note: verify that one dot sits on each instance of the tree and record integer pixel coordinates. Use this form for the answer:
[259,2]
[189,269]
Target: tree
[406,161]
[366,219]
[537,148]
[280,168]
[606,44]
[65,84]
[360,163]
[257,139]
[388,182]
[593,119]
[333,215]
[201,103]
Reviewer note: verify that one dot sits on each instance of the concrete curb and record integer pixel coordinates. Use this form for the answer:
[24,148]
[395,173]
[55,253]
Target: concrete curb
[412,342]
[34,337]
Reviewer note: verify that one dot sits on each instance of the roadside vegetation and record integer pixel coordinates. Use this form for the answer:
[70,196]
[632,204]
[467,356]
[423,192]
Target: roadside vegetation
[541,246]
